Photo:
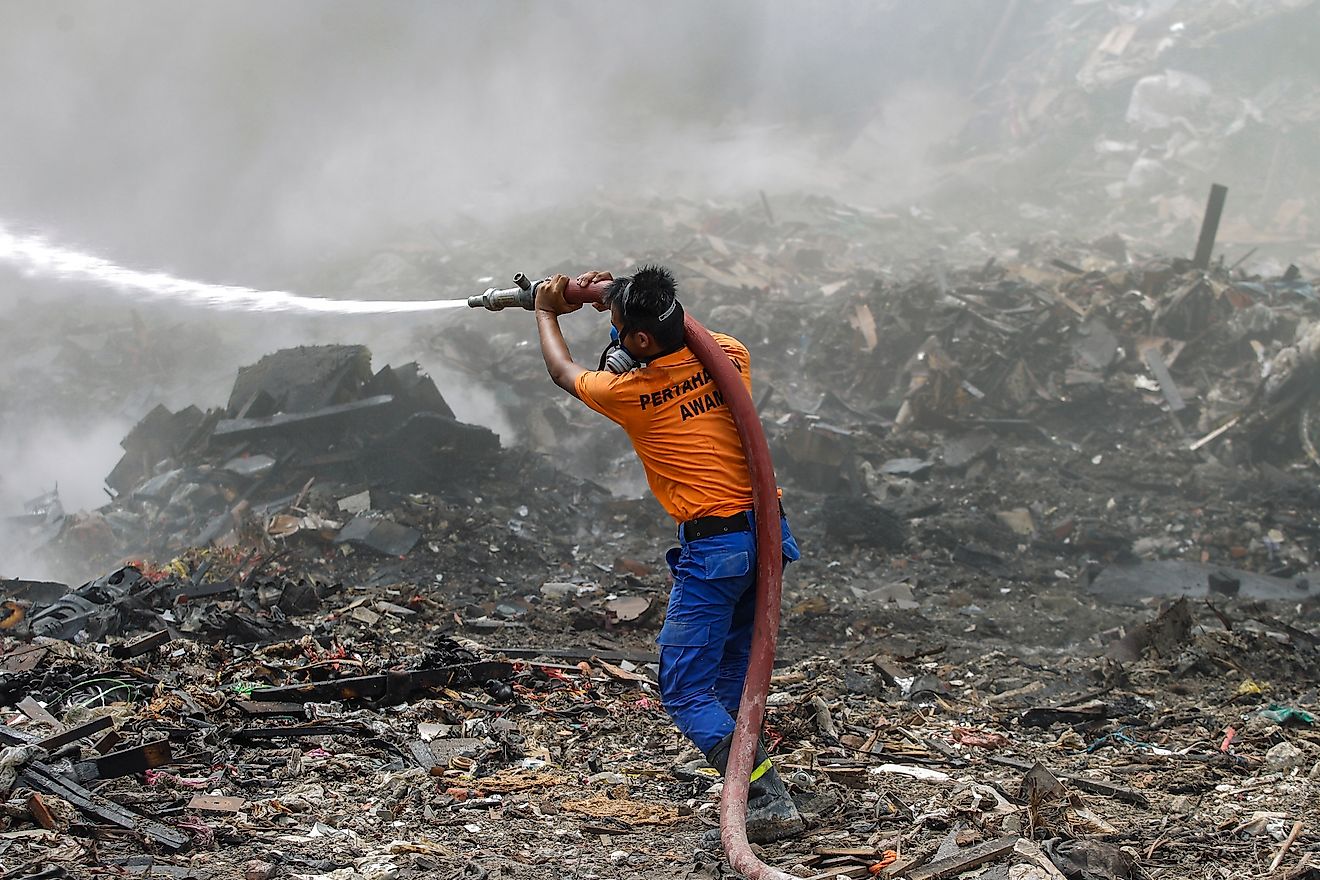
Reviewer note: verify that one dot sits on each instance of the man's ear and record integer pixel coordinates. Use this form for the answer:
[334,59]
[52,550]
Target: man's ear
[645,342]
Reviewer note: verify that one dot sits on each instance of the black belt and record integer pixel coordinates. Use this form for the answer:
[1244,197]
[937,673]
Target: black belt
[709,526]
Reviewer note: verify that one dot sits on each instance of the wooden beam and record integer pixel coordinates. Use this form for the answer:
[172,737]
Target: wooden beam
[140,646]
[966,860]
[125,762]
[41,778]
[73,734]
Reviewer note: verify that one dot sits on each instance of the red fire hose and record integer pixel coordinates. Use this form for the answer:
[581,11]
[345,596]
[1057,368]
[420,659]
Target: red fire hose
[769,582]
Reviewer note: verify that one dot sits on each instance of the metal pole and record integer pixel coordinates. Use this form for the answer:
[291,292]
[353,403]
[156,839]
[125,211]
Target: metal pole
[1210,226]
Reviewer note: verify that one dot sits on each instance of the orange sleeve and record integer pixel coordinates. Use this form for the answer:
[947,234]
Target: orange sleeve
[606,393]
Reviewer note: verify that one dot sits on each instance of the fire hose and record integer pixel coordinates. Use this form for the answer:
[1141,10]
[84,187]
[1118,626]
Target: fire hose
[769,565]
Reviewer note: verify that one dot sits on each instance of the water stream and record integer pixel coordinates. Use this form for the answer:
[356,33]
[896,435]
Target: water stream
[37,258]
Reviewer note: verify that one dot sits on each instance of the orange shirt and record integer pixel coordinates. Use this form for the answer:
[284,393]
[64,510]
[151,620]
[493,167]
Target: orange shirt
[681,428]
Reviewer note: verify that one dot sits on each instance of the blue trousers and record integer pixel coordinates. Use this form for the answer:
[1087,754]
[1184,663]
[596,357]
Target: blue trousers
[706,639]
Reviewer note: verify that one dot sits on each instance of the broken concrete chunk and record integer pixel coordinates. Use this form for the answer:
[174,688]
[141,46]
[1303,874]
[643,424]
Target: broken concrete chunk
[250,465]
[627,609]
[1095,346]
[1091,859]
[382,535]
[1284,756]
[303,379]
[907,467]
[160,487]
[1163,636]
[359,503]
[365,615]
[554,590]
[393,609]
[898,593]
[959,452]
[411,386]
[429,730]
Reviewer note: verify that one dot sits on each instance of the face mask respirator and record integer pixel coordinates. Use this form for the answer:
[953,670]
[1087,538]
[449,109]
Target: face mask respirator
[616,358]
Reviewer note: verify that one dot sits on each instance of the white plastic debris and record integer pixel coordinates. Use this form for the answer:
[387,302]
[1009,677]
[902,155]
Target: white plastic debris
[920,773]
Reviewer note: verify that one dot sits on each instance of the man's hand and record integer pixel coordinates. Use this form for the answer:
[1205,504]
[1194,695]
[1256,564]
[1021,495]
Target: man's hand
[550,296]
[586,279]
[550,304]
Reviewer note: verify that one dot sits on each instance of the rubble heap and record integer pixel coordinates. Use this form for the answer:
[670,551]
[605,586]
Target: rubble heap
[295,418]
[1104,116]
[1056,611]
[379,753]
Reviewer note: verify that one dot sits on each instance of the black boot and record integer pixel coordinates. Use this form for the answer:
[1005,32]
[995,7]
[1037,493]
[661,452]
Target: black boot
[771,813]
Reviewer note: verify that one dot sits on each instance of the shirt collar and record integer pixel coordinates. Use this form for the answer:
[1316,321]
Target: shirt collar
[674,357]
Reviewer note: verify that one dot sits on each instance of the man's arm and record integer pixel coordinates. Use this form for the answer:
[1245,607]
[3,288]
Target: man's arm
[550,304]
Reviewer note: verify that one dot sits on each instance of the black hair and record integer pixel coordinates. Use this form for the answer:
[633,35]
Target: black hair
[648,301]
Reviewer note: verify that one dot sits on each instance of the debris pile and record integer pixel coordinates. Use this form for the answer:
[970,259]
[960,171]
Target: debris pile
[1104,116]
[300,422]
[1056,611]
[176,757]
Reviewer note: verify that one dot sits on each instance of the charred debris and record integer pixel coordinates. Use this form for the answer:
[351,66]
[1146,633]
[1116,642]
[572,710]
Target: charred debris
[1057,614]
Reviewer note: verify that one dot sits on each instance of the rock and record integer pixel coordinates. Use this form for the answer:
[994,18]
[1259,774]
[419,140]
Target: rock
[1019,520]
[1284,756]
[256,869]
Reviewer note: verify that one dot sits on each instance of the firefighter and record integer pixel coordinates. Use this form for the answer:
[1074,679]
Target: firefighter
[653,386]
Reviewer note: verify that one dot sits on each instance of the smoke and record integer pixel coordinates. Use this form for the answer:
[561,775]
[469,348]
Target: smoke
[216,140]
[262,145]
[44,456]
